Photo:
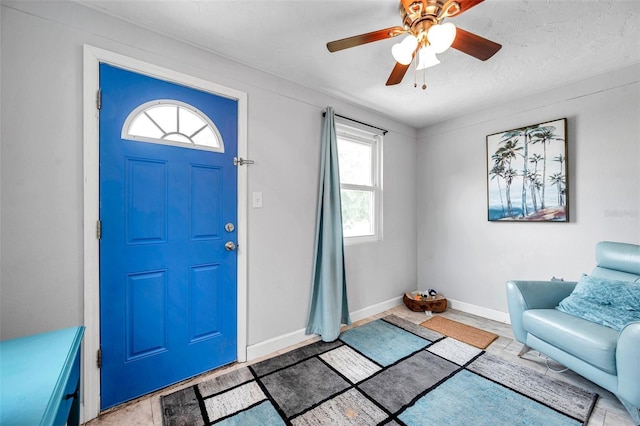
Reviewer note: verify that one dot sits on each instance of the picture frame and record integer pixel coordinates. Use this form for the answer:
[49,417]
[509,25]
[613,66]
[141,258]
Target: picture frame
[527,174]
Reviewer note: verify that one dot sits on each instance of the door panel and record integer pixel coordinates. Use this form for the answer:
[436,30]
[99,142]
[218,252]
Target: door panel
[167,284]
[204,285]
[205,203]
[146,201]
[146,303]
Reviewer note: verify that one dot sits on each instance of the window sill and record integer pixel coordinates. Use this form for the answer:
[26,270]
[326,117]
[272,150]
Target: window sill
[350,241]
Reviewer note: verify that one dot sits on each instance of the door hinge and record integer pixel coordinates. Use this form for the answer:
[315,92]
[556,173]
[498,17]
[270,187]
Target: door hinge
[99,358]
[239,161]
[99,229]
[99,100]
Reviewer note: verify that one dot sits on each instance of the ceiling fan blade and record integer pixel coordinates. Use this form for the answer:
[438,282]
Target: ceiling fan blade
[397,74]
[474,45]
[466,5]
[354,41]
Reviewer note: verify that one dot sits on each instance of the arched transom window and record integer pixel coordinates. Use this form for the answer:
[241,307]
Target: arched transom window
[171,122]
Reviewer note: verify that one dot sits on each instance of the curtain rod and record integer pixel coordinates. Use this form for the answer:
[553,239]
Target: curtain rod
[384,131]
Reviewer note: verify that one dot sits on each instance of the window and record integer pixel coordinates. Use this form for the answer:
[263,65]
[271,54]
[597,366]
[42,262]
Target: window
[171,122]
[359,156]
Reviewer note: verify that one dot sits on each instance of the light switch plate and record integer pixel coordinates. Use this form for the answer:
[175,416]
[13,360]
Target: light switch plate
[257,200]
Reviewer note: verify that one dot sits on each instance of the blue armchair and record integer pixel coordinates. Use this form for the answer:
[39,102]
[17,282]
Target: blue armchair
[607,357]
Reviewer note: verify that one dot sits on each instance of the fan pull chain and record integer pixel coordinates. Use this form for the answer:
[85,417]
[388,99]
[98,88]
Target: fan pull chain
[424,78]
[415,77]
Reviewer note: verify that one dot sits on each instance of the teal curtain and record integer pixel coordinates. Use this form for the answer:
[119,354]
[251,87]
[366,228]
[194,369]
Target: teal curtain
[329,307]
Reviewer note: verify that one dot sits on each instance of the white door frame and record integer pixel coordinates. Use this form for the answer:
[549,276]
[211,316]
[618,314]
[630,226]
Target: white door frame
[90,399]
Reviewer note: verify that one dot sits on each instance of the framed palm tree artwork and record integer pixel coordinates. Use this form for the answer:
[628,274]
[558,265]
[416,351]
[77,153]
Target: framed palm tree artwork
[527,174]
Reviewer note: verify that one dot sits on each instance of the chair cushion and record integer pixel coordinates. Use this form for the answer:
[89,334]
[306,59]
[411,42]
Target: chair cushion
[608,302]
[591,342]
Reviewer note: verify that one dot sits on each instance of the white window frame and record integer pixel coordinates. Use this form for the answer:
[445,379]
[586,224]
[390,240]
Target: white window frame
[358,135]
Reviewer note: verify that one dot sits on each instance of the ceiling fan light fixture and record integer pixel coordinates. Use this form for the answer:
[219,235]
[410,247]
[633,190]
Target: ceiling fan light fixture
[422,19]
[403,52]
[426,58]
[441,36]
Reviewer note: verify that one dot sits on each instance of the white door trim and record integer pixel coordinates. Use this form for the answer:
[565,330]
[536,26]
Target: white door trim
[90,400]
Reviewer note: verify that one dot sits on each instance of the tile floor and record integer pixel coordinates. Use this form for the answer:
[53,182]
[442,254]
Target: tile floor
[608,411]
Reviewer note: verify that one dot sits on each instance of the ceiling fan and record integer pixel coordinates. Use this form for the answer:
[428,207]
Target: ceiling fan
[422,21]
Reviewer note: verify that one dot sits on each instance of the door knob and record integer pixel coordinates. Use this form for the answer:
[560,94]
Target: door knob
[230,246]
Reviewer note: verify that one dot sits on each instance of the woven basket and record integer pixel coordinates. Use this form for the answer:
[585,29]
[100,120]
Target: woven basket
[437,304]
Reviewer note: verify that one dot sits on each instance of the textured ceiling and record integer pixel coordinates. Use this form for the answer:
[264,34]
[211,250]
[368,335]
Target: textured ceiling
[545,44]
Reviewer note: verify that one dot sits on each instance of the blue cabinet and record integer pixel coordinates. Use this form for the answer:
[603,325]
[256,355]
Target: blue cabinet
[40,379]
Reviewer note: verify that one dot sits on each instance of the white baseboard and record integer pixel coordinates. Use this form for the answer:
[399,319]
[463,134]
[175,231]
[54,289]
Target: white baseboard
[375,309]
[283,341]
[278,343]
[479,311]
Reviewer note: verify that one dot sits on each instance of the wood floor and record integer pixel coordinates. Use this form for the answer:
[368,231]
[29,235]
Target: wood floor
[608,411]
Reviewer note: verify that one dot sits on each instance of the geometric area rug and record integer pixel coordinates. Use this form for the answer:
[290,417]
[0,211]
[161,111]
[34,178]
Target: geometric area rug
[388,371]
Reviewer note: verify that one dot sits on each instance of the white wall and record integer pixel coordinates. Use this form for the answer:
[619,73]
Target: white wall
[0,154]
[42,188]
[468,258]
[458,251]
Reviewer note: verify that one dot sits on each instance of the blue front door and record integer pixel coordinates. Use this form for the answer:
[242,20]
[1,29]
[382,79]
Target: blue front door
[167,282]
